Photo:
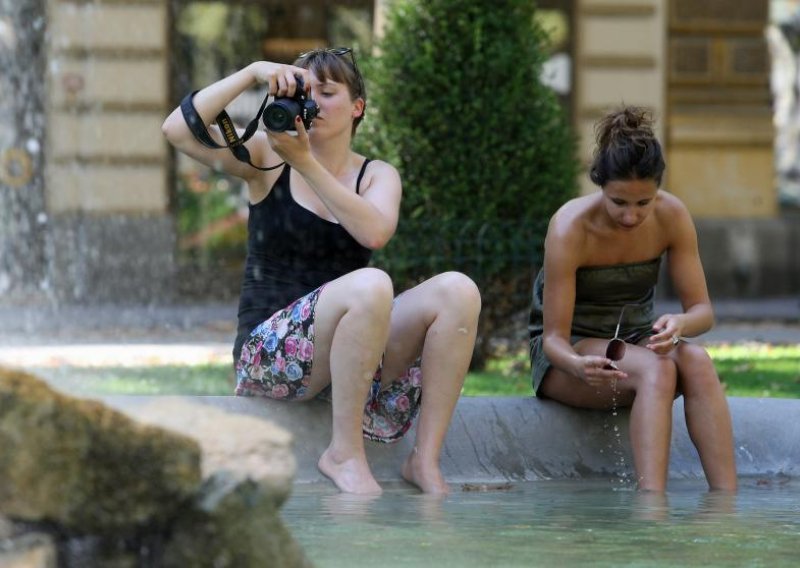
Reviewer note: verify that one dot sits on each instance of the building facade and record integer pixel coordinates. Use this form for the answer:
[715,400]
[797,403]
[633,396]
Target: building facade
[88,185]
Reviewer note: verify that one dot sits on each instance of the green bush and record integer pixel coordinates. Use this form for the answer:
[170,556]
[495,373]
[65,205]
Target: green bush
[483,148]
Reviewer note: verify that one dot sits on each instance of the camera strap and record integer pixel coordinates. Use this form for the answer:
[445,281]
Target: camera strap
[223,120]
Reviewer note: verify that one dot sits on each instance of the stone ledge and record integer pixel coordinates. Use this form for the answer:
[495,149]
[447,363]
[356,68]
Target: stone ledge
[525,439]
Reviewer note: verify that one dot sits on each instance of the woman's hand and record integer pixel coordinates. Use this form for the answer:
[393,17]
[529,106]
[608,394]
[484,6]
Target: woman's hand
[280,78]
[669,332]
[597,371]
[295,150]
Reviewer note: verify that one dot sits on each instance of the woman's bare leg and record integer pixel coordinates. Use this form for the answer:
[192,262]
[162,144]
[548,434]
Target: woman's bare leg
[438,319]
[649,390]
[708,418]
[351,326]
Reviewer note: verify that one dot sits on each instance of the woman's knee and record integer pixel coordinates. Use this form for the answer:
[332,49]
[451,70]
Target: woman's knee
[457,291]
[659,375]
[696,371]
[370,289]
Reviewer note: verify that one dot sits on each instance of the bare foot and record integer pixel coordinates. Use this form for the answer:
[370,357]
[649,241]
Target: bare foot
[350,476]
[427,476]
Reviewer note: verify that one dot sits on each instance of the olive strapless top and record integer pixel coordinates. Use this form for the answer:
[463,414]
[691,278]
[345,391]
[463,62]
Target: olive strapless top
[600,294]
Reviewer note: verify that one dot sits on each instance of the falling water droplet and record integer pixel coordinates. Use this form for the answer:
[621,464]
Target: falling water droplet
[32,145]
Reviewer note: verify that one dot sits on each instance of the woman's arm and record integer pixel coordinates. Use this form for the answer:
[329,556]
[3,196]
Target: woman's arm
[212,100]
[370,216]
[688,279]
[564,246]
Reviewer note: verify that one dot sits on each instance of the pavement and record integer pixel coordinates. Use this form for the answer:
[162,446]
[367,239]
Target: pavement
[175,334]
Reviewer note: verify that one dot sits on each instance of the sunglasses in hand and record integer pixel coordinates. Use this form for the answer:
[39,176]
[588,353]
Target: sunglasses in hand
[615,350]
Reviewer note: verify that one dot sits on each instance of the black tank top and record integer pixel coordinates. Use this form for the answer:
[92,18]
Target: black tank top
[290,252]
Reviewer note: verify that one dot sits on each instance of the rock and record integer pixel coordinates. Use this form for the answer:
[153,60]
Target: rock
[84,466]
[232,523]
[25,549]
[116,493]
[245,447]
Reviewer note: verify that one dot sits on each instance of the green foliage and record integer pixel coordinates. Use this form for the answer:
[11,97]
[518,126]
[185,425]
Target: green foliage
[208,221]
[458,96]
[482,146]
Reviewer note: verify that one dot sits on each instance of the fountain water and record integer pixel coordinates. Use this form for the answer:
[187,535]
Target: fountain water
[22,131]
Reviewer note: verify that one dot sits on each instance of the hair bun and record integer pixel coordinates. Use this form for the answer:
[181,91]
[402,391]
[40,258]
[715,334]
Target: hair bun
[626,147]
[625,124]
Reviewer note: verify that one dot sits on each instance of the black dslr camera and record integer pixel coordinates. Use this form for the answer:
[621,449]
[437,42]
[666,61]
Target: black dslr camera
[281,112]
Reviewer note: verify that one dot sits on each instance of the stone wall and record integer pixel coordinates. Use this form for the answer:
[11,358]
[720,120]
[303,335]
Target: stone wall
[112,236]
[493,439]
[748,258]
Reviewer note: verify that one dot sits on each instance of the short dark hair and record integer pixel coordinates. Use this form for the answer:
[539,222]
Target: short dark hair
[329,64]
[626,148]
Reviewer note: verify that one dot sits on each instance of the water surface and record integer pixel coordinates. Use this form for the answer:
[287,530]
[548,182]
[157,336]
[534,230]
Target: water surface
[552,523]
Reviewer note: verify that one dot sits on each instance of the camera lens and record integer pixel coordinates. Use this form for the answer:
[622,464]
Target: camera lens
[280,114]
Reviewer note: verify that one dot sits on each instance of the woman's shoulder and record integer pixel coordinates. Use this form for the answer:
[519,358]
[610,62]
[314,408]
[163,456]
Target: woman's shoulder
[375,165]
[669,200]
[372,166]
[568,230]
[670,208]
[573,214]
[376,172]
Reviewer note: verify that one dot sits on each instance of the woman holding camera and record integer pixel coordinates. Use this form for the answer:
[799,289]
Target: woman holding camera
[602,257]
[314,320]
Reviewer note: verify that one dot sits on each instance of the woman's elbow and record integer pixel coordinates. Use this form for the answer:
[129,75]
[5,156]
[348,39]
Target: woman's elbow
[377,238]
[375,243]
[173,128]
[168,131]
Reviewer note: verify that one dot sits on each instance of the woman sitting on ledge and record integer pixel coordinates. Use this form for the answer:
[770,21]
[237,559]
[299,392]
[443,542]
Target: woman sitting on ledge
[314,320]
[602,258]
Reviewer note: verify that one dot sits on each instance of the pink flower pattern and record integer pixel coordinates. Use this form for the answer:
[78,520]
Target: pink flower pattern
[276,360]
[391,411]
[290,346]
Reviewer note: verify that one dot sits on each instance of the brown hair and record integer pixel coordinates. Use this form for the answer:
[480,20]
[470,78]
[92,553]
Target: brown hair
[626,147]
[330,64]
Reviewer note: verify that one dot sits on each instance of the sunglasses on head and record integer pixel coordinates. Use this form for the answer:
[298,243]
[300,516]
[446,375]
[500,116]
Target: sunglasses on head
[616,346]
[340,52]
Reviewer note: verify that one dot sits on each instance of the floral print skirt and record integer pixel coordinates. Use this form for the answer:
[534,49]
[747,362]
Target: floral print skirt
[276,363]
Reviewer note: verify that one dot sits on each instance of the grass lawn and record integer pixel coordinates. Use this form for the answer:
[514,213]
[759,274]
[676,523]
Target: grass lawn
[200,380]
[751,370]
[759,370]
[754,370]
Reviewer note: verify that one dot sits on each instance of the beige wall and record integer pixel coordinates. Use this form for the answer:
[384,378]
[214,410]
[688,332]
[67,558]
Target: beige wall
[619,58]
[720,143]
[722,163]
[699,67]
[107,97]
